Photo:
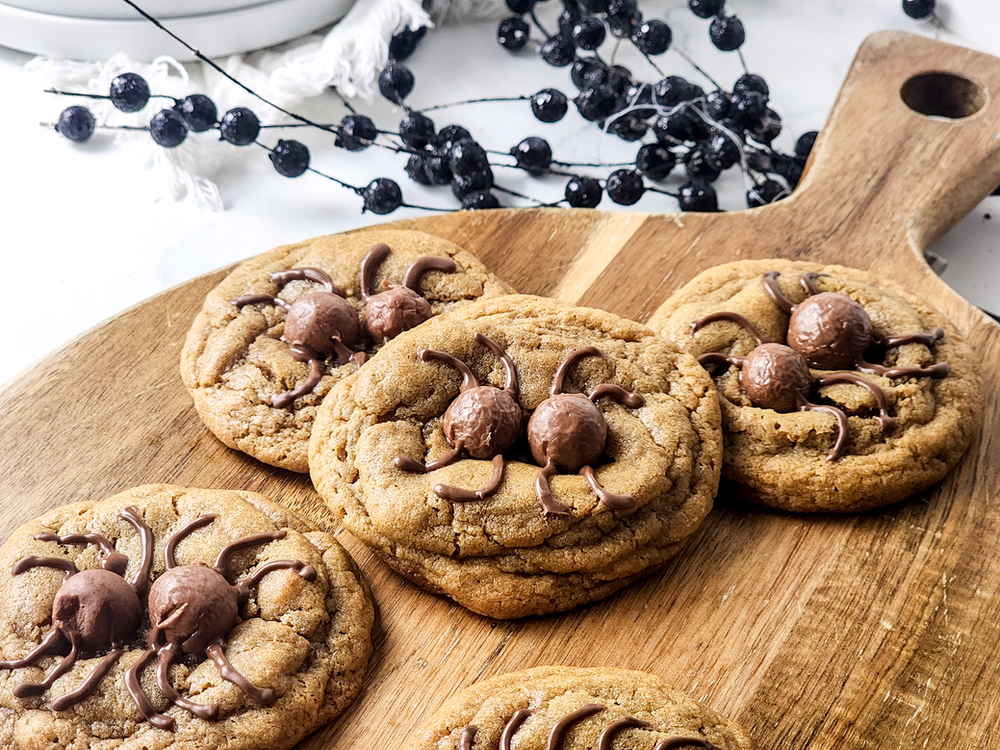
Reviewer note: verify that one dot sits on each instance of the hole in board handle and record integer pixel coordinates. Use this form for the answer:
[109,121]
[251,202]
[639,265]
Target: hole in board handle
[943,95]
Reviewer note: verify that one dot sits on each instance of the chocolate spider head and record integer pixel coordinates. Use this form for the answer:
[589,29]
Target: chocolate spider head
[569,429]
[195,605]
[484,419]
[96,608]
[775,376]
[399,307]
[831,330]
[318,321]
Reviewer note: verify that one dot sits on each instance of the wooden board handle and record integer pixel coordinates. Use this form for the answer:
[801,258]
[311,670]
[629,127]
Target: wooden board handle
[911,145]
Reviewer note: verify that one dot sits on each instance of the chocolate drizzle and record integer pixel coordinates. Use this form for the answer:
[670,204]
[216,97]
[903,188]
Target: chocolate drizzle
[559,731]
[318,325]
[827,331]
[399,307]
[192,608]
[93,612]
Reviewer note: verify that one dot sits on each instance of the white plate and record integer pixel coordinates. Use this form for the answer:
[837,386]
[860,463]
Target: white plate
[104,9]
[214,34]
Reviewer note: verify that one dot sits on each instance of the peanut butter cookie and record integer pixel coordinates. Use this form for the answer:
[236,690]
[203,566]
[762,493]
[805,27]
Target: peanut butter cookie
[176,618]
[839,391]
[522,455]
[283,327]
[568,708]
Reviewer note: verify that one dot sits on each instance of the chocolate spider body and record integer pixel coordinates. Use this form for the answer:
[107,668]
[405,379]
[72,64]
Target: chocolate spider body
[833,332]
[567,431]
[826,331]
[317,325]
[482,422]
[557,735]
[93,611]
[399,307]
[192,608]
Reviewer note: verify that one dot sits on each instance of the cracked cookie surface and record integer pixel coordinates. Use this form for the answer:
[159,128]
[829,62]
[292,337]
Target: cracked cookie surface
[503,556]
[590,702]
[308,641]
[234,361]
[780,459]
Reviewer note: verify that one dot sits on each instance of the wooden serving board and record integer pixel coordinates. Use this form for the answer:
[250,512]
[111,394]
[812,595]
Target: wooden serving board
[875,630]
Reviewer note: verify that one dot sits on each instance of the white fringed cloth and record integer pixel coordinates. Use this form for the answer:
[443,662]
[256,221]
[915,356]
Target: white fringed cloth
[349,58]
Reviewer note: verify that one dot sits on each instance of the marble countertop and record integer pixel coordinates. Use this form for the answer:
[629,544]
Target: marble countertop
[88,230]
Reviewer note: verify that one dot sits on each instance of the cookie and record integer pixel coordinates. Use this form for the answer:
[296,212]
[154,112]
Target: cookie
[874,398]
[451,457]
[119,618]
[277,333]
[568,708]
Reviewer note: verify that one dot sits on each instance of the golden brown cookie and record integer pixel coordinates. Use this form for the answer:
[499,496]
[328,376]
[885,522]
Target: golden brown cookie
[251,378]
[848,416]
[571,708]
[532,540]
[119,617]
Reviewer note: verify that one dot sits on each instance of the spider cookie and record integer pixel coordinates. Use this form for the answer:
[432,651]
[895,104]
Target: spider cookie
[283,327]
[176,618]
[521,455]
[839,391]
[568,708]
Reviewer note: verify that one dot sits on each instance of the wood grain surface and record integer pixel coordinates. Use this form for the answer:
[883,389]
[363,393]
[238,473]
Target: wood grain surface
[877,630]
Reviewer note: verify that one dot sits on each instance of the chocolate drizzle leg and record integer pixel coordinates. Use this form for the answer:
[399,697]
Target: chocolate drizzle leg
[399,307]
[568,431]
[192,608]
[93,612]
[318,325]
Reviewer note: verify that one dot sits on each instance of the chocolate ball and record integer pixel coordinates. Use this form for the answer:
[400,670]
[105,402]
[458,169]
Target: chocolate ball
[393,311]
[775,376]
[97,609]
[315,321]
[486,420]
[831,330]
[569,429]
[197,604]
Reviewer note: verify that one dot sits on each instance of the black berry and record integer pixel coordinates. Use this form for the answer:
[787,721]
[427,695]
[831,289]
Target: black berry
[416,168]
[697,196]
[167,128]
[513,33]
[589,33]
[290,158]
[520,6]
[672,90]
[752,82]
[624,18]
[558,51]
[198,112]
[653,37]
[805,142]
[129,92]
[479,200]
[549,105]
[918,8]
[448,136]
[596,103]
[470,182]
[637,94]
[766,192]
[381,196]
[655,161]
[628,127]
[466,156]
[395,82]
[588,72]
[768,128]
[722,151]
[76,124]
[706,8]
[356,133]
[583,192]
[533,154]
[624,186]
[747,109]
[789,167]
[727,33]
[717,104]
[680,125]
[698,168]
[239,126]
[404,44]
[416,130]
[568,18]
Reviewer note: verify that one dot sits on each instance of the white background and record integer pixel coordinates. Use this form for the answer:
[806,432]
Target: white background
[87,230]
